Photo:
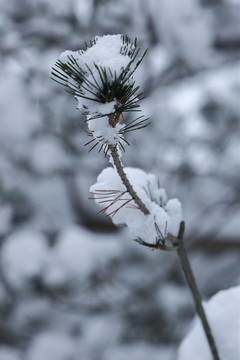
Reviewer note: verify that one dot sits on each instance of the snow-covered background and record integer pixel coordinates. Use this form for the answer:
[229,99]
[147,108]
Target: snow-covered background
[72,286]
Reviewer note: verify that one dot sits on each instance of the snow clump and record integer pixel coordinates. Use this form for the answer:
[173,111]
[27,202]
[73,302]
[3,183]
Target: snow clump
[101,80]
[102,131]
[223,311]
[164,215]
[23,256]
[104,53]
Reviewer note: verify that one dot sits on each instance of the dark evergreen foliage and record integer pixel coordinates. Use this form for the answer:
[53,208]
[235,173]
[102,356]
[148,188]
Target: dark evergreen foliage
[110,87]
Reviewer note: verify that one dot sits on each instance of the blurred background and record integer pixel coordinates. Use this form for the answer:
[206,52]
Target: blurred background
[72,286]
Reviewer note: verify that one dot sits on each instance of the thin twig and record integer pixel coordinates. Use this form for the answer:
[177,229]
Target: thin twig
[123,176]
[191,281]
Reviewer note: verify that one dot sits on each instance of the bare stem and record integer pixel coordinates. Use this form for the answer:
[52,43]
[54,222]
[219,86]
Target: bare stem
[123,176]
[191,281]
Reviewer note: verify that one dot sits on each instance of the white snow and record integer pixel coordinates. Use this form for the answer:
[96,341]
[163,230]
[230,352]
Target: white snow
[167,215]
[48,155]
[223,311]
[54,346]
[186,30]
[11,128]
[77,253]
[174,210]
[23,256]
[101,332]
[105,54]
[174,299]
[32,32]
[140,351]
[101,130]
[84,10]
[100,108]
[9,353]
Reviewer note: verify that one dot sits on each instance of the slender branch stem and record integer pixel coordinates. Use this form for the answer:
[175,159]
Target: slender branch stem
[191,281]
[178,243]
[123,176]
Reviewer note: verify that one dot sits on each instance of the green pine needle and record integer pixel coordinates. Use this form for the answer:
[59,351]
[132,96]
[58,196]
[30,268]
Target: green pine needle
[110,87]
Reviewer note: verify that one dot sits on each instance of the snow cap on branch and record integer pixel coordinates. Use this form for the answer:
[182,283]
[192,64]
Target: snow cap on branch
[101,74]
[164,215]
[101,79]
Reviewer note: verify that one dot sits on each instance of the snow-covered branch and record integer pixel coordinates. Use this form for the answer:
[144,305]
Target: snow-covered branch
[101,79]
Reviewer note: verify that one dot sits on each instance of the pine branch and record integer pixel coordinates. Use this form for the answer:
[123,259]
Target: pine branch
[101,84]
[80,80]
